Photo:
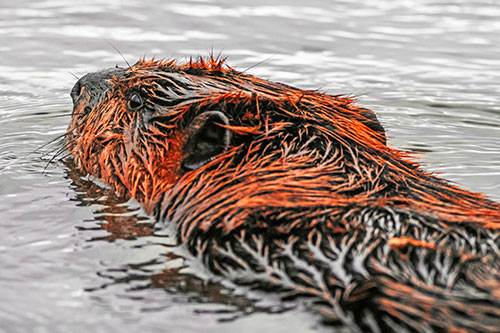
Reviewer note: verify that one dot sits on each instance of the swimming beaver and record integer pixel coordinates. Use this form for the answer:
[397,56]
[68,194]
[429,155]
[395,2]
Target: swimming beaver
[292,191]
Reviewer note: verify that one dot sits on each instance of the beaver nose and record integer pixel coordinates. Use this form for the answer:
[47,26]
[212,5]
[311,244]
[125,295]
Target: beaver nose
[76,91]
[95,84]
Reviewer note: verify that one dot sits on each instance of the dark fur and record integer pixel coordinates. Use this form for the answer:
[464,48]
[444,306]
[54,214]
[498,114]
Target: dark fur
[293,191]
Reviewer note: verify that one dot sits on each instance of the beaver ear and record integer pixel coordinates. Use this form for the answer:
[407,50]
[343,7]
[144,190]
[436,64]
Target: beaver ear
[206,139]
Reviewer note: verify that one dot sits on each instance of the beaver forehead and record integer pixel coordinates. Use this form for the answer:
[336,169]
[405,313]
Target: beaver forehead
[101,80]
[176,80]
[202,77]
[151,79]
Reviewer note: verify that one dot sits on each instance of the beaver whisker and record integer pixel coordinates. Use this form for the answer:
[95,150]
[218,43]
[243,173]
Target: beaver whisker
[50,152]
[121,54]
[76,77]
[59,152]
[258,63]
[60,115]
[53,141]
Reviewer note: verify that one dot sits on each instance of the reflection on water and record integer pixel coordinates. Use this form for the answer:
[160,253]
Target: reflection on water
[166,269]
[75,256]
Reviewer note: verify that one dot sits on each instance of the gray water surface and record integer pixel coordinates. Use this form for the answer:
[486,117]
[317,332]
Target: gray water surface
[74,258]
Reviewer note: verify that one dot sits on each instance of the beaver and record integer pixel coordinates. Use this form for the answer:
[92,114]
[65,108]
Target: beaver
[294,192]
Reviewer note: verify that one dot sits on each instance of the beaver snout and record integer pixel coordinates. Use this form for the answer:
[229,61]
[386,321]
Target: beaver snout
[94,85]
[76,91]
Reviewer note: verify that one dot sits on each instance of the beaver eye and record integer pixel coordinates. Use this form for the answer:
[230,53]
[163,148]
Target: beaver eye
[134,102]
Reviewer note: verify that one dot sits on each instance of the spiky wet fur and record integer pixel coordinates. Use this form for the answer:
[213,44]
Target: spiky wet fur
[308,200]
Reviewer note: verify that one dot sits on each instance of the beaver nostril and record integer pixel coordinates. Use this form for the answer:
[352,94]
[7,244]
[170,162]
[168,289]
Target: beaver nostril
[76,91]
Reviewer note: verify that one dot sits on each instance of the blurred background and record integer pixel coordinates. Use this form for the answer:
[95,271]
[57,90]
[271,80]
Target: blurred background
[76,258]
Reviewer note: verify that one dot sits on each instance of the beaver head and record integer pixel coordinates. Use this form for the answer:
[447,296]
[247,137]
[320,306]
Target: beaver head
[291,187]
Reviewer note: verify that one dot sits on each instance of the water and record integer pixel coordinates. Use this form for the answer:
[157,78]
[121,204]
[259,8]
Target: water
[74,258]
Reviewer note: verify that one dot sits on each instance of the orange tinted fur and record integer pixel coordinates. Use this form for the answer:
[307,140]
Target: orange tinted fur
[307,177]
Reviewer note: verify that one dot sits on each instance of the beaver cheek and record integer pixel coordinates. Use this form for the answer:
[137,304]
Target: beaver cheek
[146,119]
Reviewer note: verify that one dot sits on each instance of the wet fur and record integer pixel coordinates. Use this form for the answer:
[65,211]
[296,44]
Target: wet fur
[307,199]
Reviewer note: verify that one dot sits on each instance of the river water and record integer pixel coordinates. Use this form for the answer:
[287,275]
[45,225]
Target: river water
[76,259]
